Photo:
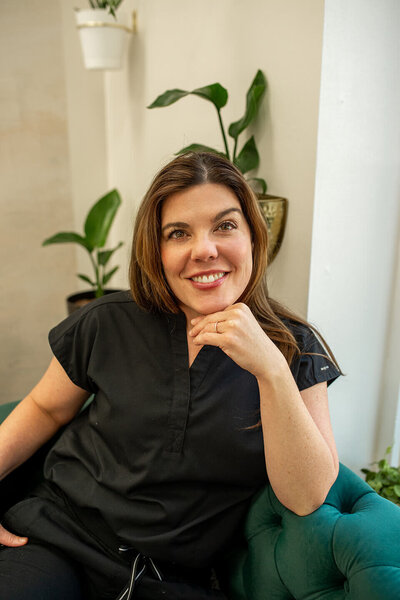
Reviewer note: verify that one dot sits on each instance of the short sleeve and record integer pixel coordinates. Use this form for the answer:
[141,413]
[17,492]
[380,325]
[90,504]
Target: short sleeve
[72,342]
[313,365]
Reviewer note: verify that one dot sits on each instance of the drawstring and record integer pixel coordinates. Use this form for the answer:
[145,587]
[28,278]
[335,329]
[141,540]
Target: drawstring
[140,565]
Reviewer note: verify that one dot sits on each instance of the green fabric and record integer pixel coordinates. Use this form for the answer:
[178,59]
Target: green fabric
[348,549]
[5,409]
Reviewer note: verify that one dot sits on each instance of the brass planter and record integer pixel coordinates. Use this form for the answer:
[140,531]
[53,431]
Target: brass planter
[274,210]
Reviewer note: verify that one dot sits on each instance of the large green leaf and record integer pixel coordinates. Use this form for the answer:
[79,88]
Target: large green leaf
[248,158]
[67,237]
[168,97]
[108,275]
[104,256]
[86,279]
[253,100]
[261,182]
[215,93]
[200,148]
[100,218]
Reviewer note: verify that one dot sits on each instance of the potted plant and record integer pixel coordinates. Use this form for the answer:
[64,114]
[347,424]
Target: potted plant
[247,158]
[103,34]
[385,481]
[96,228]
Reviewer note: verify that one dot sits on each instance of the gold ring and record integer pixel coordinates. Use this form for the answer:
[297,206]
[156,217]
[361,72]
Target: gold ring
[216,326]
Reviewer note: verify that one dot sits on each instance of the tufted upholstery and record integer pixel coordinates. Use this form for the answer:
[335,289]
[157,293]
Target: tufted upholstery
[347,549]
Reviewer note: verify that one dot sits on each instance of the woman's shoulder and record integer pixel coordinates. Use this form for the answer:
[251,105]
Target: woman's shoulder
[302,332]
[111,311]
[107,305]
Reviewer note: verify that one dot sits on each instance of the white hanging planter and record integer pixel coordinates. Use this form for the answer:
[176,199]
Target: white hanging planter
[103,38]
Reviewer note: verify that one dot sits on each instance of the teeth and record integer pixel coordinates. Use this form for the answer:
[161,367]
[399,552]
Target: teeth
[208,278]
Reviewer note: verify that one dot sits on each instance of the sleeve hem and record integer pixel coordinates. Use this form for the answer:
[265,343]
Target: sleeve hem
[329,377]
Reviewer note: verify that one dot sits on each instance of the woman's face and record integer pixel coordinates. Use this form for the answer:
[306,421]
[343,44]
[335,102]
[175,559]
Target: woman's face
[206,248]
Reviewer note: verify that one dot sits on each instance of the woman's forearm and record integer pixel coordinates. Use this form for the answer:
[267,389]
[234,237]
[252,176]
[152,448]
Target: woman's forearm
[25,430]
[300,464]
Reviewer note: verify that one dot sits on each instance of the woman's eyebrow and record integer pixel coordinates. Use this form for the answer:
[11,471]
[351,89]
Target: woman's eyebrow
[223,213]
[217,217]
[176,224]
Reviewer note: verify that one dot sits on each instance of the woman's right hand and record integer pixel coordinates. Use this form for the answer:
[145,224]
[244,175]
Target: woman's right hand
[11,540]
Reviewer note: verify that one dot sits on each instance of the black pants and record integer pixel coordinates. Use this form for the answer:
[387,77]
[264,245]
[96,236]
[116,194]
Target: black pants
[63,559]
[38,572]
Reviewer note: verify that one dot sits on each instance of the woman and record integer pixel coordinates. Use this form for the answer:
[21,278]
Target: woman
[204,387]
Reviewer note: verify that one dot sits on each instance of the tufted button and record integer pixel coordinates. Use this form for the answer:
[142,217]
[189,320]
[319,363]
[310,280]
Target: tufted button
[277,520]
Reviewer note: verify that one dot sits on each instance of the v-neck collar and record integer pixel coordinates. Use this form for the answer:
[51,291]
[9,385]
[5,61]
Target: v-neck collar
[186,380]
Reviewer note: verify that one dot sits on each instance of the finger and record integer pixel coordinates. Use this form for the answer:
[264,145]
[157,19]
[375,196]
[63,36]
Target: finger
[205,321]
[206,327]
[207,338]
[9,539]
[216,316]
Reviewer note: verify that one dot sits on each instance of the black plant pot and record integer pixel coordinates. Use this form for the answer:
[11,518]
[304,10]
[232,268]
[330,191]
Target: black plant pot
[76,301]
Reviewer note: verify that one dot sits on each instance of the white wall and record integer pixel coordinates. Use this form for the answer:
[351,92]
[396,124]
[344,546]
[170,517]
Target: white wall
[356,218]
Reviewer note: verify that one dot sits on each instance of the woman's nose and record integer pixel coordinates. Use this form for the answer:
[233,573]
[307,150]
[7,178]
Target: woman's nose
[203,248]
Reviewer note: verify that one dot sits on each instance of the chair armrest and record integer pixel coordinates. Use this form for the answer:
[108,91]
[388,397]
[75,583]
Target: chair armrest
[348,548]
[5,409]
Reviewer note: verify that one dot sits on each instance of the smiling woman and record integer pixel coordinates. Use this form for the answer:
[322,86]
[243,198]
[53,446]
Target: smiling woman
[204,388]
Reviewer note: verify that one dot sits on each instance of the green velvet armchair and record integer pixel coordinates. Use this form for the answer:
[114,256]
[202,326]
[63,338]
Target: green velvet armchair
[347,549]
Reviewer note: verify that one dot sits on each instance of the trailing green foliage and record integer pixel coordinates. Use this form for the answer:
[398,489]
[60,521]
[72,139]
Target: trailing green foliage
[112,5]
[97,226]
[247,158]
[385,481]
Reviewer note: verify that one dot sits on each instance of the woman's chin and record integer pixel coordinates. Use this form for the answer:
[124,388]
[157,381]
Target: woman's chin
[203,310]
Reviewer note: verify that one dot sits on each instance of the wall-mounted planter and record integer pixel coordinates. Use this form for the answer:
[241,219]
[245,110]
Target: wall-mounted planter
[103,38]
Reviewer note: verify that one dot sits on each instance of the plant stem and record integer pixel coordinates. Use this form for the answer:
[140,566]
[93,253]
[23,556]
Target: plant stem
[223,134]
[234,150]
[99,289]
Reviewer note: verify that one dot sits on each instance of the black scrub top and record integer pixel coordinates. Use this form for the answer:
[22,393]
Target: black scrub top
[165,455]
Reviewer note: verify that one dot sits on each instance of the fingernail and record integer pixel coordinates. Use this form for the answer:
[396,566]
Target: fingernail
[22,539]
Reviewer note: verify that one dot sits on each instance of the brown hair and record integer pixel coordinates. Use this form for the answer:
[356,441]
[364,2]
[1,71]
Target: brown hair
[148,284]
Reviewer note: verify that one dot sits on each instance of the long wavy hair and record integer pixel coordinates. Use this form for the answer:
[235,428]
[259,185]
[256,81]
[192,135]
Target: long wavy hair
[148,285]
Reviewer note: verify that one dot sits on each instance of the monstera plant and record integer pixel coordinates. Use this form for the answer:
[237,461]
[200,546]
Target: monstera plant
[246,157]
[96,228]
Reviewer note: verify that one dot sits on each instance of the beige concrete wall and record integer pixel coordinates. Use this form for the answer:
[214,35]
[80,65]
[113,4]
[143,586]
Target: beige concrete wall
[52,167]
[35,189]
[187,45]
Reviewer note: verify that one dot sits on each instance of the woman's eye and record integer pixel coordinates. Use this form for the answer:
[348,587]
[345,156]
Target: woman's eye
[226,226]
[176,234]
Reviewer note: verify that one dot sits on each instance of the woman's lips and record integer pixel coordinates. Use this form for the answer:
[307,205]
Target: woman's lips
[205,282]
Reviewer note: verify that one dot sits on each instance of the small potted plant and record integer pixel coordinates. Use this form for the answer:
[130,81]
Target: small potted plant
[247,158]
[96,228]
[103,34]
[385,481]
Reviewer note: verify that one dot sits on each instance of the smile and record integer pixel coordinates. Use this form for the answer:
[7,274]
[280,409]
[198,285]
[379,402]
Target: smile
[208,278]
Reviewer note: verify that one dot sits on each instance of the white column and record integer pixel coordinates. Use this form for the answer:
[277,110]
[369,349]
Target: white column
[356,213]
